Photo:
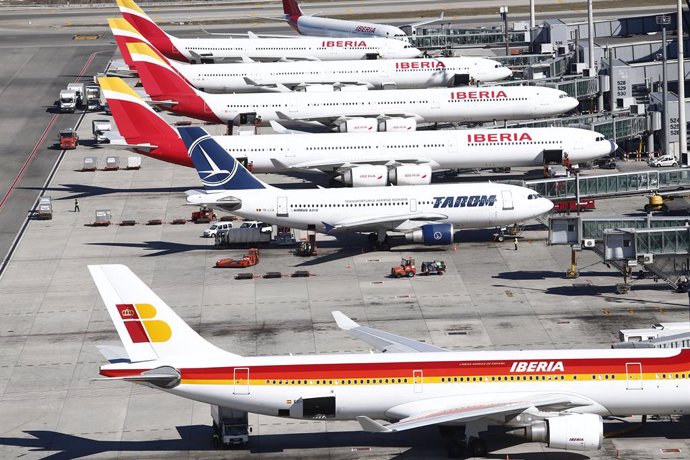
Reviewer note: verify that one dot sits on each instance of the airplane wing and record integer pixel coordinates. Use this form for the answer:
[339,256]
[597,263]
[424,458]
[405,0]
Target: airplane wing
[334,121]
[467,409]
[395,222]
[341,165]
[380,340]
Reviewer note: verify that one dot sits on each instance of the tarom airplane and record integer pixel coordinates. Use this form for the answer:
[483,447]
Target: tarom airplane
[463,104]
[553,396]
[210,50]
[286,76]
[427,214]
[360,159]
[326,27]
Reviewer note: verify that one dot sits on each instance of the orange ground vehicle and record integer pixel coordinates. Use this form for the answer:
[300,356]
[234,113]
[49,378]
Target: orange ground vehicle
[252,258]
[203,216]
[406,268]
[68,139]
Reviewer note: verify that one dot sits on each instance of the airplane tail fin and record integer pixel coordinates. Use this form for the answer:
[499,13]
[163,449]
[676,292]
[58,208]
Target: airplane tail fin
[148,328]
[164,84]
[217,169]
[125,33]
[143,129]
[155,35]
[291,9]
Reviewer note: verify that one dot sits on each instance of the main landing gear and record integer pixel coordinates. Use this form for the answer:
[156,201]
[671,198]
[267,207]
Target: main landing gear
[461,444]
[379,241]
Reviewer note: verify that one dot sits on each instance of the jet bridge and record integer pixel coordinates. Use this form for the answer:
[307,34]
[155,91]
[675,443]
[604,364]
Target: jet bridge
[658,245]
[608,185]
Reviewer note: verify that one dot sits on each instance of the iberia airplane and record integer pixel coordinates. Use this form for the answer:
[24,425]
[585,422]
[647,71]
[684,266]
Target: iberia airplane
[284,76]
[554,396]
[212,50]
[327,27]
[360,159]
[168,88]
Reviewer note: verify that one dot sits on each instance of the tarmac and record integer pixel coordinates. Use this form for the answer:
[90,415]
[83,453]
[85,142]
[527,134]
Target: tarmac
[52,318]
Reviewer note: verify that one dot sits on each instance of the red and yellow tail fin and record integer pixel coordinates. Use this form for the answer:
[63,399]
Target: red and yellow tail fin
[164,84]
[150,30]
[143,129]
[125,33]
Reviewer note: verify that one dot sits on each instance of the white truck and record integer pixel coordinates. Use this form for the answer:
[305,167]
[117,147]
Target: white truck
[231,426]
[654,332]
[93,98]
[68,101]
[80,90]
[248,232]
[99,128]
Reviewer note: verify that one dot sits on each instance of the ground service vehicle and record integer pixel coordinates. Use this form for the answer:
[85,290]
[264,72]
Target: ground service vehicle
[80,90]
[248,260]
[664,160]
[231,425]
[248,232]
[44,210]
[99,128]
[213,230]
[93,98]
[68,139]
[406,268]
[435,267]
[68,101]
[203,216]
[571,206]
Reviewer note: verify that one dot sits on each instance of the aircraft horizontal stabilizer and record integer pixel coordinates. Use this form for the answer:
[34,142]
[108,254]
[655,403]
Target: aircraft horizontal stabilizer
[164,377]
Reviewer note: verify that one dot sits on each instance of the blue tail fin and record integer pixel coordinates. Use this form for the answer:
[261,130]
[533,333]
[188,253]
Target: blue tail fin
[217,169]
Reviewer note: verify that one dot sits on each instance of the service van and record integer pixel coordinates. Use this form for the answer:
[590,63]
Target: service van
[215,228]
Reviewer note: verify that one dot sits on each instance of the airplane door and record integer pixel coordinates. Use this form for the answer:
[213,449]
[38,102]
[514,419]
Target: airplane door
[241,379]
[507,198]
[282,207]
[452,147]
[292,107]
[633,379]
[418,381]
[413,205]
[435,104]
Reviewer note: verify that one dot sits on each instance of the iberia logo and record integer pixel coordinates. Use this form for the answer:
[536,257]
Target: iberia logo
[140,325]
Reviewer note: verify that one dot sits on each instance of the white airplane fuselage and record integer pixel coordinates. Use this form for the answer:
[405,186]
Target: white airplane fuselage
[400,73]
[298,48]
[475,205]
[329,27]
[463,104]
[393,386]
[443,149]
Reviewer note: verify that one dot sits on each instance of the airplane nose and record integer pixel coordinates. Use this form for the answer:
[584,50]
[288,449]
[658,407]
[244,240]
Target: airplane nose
[613,147]
[548,205]
[507,73]
[571,103]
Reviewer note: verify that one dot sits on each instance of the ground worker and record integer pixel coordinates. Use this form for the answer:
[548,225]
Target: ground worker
[76,205]
[515,243]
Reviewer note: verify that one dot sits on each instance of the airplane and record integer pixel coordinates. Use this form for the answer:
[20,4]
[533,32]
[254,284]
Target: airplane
[462,104]
[210,50]
[557,397]
[313,25]
[286,76]
[427,214]
[359,159]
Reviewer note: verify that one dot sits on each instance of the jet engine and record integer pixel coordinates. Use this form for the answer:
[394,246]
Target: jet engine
[432,234]
[398,125]
[568,432]
[358,125]
[366,176]
[410,175]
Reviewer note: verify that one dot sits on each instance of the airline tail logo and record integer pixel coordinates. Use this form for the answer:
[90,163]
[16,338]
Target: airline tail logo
[209,172]
[141,325]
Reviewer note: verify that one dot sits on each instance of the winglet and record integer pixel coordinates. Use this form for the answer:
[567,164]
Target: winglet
[372,426]
[343,321]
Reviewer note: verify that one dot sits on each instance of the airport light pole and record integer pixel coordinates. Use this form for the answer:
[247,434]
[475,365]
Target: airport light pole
[664,20]
[683,132]
[590,33]
[532,21]
[504,15]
